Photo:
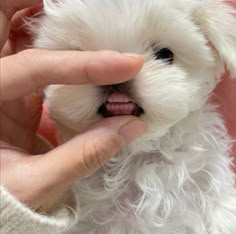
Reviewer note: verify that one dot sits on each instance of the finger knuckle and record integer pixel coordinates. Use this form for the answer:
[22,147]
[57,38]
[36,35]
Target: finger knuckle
[95,152]
[29,53]
[29,56]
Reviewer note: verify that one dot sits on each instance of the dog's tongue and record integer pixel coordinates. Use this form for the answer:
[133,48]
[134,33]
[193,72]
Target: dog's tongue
[120,104]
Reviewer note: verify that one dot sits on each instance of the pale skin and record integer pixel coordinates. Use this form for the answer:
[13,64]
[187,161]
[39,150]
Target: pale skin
[34,179]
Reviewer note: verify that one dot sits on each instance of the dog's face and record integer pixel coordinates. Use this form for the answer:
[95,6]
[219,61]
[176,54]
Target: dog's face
[183,54]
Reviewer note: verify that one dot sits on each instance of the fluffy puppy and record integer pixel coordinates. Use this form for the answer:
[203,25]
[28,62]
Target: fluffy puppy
[177,177]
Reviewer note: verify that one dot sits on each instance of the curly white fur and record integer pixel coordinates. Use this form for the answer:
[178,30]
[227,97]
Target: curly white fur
[177,178]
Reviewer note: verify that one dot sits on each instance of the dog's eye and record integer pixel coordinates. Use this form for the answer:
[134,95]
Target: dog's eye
[165,54]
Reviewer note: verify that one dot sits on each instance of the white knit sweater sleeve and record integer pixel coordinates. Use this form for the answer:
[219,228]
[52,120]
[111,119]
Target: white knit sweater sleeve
[16,218]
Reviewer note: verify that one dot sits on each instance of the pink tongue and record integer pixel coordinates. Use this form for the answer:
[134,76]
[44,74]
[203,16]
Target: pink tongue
[120,104]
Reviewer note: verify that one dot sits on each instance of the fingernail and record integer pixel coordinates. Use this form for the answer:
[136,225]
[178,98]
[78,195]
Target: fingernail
[133,56]
[132,130]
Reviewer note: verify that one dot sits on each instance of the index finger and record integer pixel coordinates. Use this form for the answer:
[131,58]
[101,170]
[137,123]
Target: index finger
[30,70]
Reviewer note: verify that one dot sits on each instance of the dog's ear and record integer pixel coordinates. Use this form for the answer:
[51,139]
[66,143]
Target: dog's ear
[217,19]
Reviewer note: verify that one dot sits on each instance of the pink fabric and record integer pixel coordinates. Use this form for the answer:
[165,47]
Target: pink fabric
[47,127]
[225,96]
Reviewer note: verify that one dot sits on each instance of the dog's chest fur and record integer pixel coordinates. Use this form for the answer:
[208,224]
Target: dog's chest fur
[180,181]
[182,185]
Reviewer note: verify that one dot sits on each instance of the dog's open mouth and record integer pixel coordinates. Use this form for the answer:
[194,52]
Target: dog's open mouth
[119,104]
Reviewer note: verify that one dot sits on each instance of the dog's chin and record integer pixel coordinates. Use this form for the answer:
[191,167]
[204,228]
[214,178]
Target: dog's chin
[118,104]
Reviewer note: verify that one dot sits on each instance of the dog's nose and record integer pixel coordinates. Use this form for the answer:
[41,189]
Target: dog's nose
[123,87]
[116,87]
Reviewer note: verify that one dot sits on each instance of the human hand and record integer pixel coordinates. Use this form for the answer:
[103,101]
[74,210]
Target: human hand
[34,179]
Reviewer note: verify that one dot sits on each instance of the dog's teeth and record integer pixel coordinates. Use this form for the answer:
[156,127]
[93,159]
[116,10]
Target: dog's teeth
[120,109]
[118,98]
[120,104]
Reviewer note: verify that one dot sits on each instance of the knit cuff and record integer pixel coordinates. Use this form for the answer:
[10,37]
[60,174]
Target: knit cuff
[16,218]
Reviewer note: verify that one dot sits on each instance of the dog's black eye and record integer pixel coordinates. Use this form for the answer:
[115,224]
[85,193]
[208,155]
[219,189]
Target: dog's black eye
[165,54]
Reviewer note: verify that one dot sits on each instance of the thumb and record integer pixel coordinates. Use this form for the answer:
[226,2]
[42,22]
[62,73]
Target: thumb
[89,151]
[85,153]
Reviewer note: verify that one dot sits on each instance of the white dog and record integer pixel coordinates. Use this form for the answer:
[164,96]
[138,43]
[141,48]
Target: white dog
[177,178]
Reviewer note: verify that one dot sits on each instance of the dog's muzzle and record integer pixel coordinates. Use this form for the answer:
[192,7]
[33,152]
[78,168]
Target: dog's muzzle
[119,103]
